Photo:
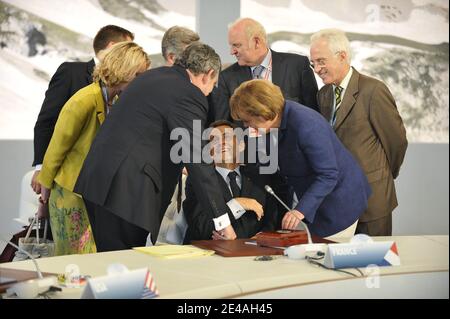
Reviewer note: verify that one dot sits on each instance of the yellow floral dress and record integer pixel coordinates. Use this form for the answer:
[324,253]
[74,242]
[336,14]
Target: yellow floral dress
[69,222]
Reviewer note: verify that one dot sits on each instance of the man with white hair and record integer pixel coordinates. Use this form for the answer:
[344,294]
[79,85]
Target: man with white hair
[248,43]
[364,116]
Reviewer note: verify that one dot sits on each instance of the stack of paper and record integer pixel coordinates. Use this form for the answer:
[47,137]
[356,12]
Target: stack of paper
[174,251]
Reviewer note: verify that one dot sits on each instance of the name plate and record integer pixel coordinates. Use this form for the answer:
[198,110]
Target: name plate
[121,283]
[362,254]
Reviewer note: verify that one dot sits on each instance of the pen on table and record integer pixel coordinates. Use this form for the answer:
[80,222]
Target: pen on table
[251,243]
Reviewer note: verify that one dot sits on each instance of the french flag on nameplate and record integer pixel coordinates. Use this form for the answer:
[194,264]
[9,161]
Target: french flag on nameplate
[362,254]
[150,291]
[392,256]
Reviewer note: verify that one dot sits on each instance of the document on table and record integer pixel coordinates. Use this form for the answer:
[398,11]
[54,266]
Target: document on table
[174,251]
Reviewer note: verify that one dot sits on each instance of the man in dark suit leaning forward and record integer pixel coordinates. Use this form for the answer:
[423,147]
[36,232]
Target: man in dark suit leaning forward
[130,173]
[252,208]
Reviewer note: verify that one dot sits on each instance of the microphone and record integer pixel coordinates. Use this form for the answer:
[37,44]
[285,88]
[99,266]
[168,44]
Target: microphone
[298,251]
[271,192]
[31,288]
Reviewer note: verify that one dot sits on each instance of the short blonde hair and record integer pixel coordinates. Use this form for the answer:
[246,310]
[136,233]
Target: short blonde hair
[257,98]
[121,63]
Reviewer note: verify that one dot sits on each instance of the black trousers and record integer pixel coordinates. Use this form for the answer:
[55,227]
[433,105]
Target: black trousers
[112,232]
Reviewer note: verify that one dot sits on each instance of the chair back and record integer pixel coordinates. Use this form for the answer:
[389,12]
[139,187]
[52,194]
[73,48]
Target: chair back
[28,201]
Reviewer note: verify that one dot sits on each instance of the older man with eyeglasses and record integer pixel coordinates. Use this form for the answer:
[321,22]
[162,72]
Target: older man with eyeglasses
[364,116]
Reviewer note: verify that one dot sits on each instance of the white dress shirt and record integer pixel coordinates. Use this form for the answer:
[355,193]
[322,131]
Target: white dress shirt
[236,209]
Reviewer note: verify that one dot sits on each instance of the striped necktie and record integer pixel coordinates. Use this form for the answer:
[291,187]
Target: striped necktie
[257,72]
[337,95]
[338,99]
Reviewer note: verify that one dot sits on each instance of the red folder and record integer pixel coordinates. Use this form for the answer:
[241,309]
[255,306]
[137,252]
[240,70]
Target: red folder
[281,238]
[253,246]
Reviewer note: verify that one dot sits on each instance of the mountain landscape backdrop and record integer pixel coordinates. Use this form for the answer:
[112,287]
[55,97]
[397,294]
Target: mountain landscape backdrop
[405,43]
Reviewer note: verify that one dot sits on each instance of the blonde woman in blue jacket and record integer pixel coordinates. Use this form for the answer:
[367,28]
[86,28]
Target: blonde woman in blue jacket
[74,133]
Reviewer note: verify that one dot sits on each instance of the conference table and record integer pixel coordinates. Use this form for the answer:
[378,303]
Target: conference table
[423,273]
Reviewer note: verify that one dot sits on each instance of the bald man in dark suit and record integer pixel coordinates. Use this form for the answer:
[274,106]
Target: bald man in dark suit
[248,43]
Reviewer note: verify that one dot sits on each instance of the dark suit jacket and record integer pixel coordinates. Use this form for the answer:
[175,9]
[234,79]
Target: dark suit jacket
[369,125]
[68,79]
[200,224]
[331,187]
[129,170]
[291,72]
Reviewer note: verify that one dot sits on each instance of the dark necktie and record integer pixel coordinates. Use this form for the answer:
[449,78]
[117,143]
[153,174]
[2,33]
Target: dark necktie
[180,192]
[233,184]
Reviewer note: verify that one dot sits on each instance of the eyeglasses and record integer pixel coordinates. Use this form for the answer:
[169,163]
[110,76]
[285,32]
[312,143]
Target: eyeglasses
[321,62]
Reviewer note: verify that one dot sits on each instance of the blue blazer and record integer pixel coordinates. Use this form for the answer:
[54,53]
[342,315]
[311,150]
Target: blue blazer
[331,187]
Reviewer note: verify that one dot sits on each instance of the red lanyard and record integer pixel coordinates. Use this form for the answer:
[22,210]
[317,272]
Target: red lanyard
[269,69]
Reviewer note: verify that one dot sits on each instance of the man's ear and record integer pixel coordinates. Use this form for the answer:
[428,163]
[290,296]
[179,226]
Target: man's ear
[206,77]
[343,55]
[170,59]
[257,42]
[110,44]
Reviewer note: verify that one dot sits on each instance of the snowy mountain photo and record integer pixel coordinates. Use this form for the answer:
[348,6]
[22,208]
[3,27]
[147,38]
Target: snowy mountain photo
[405,43]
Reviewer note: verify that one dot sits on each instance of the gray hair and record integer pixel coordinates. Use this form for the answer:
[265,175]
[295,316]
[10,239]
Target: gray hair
[199,58]
[175,39]
[336,39]
[252,28]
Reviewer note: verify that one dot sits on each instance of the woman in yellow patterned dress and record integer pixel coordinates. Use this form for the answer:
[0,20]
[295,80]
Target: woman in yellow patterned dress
[77,125]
